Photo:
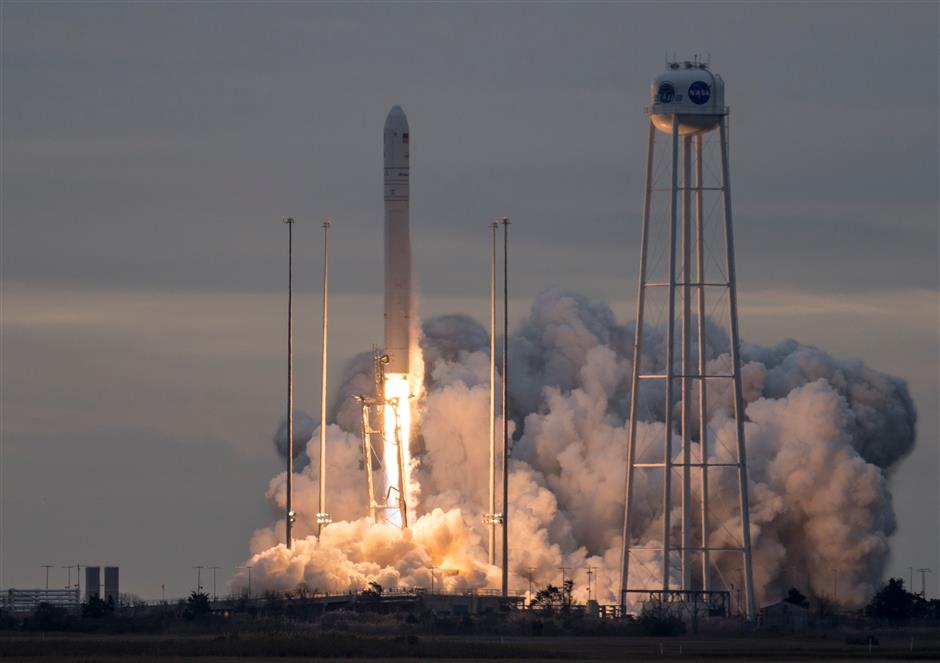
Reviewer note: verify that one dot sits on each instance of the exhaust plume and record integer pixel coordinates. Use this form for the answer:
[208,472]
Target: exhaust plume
[823,435]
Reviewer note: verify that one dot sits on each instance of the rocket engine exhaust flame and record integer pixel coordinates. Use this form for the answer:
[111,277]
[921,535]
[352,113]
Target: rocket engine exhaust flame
[397,434]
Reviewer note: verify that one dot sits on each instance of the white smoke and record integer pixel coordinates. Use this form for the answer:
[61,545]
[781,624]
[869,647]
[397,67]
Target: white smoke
[822,435]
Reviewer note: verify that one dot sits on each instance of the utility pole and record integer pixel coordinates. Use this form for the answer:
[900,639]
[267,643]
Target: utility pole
[249,579]
[432,579]
[323,518]
[46,567]
[505,588]
[68,584]
[563,570]
[198,578]
[529,571]
[289,515]
[910,579]
[215,596]
[923,582]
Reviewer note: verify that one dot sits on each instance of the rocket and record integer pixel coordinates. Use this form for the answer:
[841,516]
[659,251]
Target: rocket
[397,242]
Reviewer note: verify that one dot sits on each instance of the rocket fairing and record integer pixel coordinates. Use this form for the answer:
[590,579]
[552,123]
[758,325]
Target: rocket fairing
[397,242]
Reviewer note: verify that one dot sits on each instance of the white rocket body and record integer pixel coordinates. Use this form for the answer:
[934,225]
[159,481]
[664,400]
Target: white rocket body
[397,242]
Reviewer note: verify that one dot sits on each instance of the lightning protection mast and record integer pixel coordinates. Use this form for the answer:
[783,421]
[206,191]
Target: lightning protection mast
[688,106]
[505,394]
[492,519]
[323,517]
[288,510]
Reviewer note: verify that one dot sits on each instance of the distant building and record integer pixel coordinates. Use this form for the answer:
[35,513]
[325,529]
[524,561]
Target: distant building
[92,582]
[111,590]
[26,600]
[784,616]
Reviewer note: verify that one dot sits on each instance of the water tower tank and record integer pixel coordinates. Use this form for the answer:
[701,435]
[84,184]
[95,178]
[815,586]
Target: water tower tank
[691,92]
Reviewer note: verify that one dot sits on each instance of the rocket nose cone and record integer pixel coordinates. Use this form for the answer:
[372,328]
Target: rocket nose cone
[396,119]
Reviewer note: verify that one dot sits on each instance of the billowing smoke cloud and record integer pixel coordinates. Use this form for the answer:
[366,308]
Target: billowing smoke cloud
[822,436]
[304,428]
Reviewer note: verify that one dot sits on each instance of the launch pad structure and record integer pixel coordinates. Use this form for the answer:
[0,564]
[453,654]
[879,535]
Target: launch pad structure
[688,105]
[375,437]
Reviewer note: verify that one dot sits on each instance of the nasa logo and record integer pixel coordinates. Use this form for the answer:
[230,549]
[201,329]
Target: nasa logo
[666,93]
[699,92]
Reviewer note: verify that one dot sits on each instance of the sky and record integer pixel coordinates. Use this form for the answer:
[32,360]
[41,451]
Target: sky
[149,151]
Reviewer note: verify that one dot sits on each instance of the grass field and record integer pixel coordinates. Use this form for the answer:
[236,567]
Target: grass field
[899,645]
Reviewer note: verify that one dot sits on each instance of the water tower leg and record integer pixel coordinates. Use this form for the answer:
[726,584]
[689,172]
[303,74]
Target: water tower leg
[635,375]
[670,344]
[702,382]
[736,366]
[686,363]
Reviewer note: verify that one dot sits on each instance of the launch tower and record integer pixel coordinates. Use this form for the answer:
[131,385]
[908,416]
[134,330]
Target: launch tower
[705,559]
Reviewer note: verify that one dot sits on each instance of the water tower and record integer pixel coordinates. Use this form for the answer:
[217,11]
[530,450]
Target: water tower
[687,261]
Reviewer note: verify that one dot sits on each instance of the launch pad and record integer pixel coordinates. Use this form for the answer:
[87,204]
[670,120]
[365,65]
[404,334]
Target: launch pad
[382,436]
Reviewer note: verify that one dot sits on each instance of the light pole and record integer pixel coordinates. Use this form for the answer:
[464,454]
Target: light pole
[591,574]
[249,578]
[215,596]
[46,567]
[198,578]
[923,582]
